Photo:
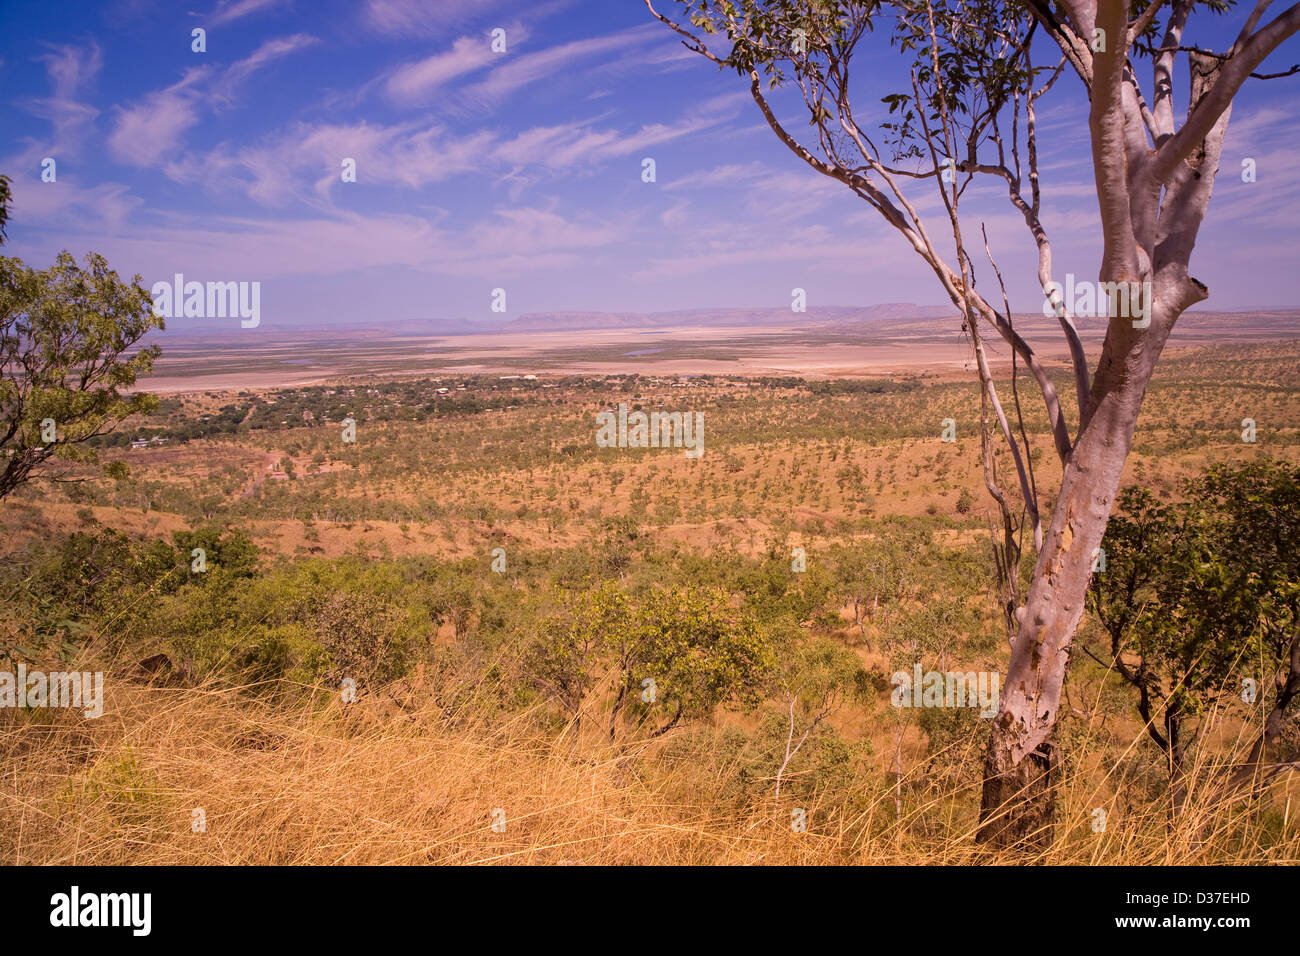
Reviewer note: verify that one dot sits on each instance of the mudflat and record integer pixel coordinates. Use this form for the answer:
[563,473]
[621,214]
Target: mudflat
[268,357]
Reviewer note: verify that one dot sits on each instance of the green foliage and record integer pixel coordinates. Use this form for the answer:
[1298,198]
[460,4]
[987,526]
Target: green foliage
[93,570]
[931,633]
[817,677]
[875,571]
[700,653]
[566,656]
[669,655]
[820,672]
[5,198]
[64,335]
[968,59]
[1203,592]
[949,731]
[229,552]
[312,622]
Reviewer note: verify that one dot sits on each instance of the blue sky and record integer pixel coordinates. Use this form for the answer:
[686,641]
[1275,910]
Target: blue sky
[519,170]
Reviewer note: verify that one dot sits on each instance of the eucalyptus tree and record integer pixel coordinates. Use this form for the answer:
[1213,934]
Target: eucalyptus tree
[964,111]
[65,371]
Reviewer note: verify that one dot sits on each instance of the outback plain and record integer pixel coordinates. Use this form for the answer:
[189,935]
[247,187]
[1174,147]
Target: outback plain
[446,638]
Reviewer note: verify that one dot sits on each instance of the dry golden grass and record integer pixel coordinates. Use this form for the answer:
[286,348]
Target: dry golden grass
[306,780]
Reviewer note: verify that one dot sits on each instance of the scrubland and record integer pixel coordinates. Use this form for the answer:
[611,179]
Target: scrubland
[358,675]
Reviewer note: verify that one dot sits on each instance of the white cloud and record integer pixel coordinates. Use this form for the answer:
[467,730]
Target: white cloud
[415,81]
[151,129]
[578,143]
[227,10]
[225,87]
[509,242]
[522,69]
[70,69]
[148,131]
[71,207]
[284,166]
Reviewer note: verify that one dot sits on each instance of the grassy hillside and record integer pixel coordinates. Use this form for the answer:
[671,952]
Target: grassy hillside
[521,686]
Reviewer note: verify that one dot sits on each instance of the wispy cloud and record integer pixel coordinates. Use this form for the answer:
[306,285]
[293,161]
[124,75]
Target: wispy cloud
[70,70]
[153,128]
[228,10]
[523,69]
[149,131]
[108,206]
[302,161]
[582,143]
[225,87]
[767,193]
[413,82]
[305,158]
[510,241]
[729,174]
